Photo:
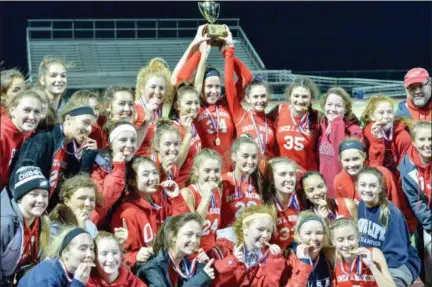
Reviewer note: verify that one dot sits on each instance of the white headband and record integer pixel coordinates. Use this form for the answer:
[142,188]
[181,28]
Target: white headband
[121,128]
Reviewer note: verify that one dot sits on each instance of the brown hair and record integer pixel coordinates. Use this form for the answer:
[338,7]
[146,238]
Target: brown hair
[67,190]
[182,89]
[106,235]
[162,126]
[254,209]
[157,67]
[269,190]
[132,169]
[346,98]
[48,61]
[383,201]
[169,230]
[258,82]
[6,79]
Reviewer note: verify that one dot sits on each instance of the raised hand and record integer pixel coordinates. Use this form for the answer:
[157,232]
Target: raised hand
[238,253]
[202,256]
[200,36]
[144,254]
[208,269]
[365,255]
[121,233]
[82,273]
[171,188]
[81,216]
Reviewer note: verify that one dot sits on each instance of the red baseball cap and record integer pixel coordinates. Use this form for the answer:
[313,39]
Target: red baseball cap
[415,75]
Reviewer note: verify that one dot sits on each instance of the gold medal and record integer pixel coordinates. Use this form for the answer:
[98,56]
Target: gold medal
[217,141]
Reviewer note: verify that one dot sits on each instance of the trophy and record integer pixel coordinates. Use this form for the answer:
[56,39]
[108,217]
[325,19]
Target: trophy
[210,11]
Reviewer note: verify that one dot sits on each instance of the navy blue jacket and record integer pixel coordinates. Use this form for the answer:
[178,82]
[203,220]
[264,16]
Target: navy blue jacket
[393,240]
[49,273]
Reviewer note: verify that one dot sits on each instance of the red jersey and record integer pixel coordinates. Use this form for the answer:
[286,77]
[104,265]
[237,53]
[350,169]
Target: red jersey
[11,141]
[356,274]
[236,197]
[146,147]
[216,130]
[213,217]
[144,218]
[257,124]
[297,138]
[286,221]
[194,149]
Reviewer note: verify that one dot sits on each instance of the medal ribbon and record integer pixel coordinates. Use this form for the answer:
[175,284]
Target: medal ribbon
[261,142]
[213,199]
[353,265]
[293,201]
[215,124]
[75,148]
[303,123]
[238,187]
[156,114]
[189,270]
[314,264]
[390,134]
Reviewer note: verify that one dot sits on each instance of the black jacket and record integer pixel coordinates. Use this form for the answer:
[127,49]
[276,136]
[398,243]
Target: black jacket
[155,273]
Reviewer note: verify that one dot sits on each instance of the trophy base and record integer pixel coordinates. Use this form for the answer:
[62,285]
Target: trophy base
[216,30]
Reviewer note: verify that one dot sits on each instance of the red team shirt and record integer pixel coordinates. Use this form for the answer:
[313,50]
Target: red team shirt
[213,217]
[257,124]
[285,222]
[145,148]
[212,122]
[194,149]
[296,140]
[355,275]
[235,200]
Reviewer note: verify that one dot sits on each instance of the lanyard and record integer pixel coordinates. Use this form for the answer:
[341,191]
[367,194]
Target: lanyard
[261,142]
[215,124]
[314,264]
[156,114]
[293,201]
[303,123]
[75,148]
[238,191]
[194,131]
[353,264]
[189,270]
[390,134]
[213,199]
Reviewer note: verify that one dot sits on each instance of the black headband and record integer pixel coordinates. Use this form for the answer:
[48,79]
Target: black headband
[70,236]
[81,111]
[351,145]
[211,73]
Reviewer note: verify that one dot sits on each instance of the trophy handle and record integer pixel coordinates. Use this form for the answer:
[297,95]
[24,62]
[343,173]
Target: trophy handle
[217,7]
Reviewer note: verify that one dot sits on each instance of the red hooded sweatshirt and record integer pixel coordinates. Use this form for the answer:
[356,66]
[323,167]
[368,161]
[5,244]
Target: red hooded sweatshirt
[328,143]
[420,114]
[344,185]
[11,140]
[143,219]
[270,271]
[388,153]
[125,279]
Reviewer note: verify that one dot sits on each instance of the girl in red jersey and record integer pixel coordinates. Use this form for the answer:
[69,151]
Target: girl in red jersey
[11,83]
[24,114]
[279,191]
[203,196]
[174,247]
[311,231]
[145,208]
[357,266]
[110,271]
[255,262]
[153,88]
[166,149]
[353,158]
[338,123]
[184,110]
[315,191]
[53,79]
[297,125]
[242,187]
[253,121]
[109,170]
[387,136]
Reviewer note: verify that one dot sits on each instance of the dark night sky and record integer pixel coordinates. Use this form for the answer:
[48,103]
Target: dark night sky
[301,36]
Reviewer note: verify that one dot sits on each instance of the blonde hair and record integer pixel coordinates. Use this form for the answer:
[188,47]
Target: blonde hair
[157,67]
[14,101]
[343,222]
[53,250]
[70,106]
[162,126]
[239,225]
[420,125]
[308,215]
[67,190]
[346,98]
[169,230]
[106,235]
[84,95]
[50,119]
[6,79]
[383,201]
[200,158]
[47,61]
[269,190]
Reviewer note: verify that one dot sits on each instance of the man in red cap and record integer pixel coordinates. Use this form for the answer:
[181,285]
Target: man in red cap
[418,105]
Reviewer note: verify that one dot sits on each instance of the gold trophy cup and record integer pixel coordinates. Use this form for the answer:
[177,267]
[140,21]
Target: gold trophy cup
[210,11]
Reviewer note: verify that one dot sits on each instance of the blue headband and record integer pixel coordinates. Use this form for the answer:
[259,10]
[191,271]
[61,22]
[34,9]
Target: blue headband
[211,73]
[310,218]
[351,145]
[81,111]
[70,236]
